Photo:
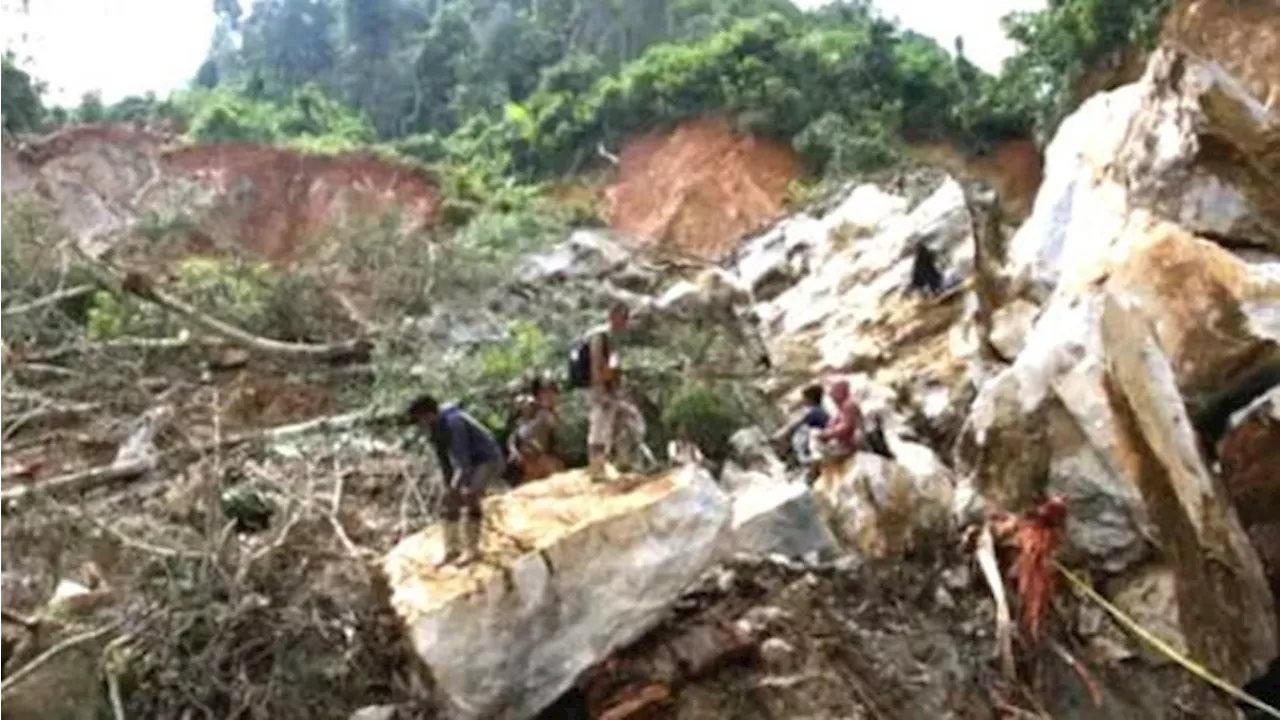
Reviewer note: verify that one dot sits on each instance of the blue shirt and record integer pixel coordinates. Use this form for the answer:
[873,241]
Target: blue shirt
[816,417]
[468,443]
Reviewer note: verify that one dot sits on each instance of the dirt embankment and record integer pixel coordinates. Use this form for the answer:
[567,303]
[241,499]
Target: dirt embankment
[297,196]
[697,190]
[269,201]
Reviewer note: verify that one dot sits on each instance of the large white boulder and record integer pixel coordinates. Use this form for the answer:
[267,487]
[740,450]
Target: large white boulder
[780,518]
[1147,303]
[573,571]
[879,508]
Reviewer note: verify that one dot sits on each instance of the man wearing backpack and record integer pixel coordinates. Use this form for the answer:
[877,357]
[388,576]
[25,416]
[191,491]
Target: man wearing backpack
[469,459]
[594,364]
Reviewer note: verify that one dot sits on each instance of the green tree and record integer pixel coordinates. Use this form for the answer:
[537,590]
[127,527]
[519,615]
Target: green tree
[290,43]
[1068,39]
[91,108]
[23,108]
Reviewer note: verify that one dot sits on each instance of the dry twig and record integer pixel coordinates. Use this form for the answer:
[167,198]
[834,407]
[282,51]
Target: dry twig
[986,551]
[70,293]
[67,644]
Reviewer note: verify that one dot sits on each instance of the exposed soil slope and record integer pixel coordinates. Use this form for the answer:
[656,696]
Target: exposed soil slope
[697,190]
[269,201]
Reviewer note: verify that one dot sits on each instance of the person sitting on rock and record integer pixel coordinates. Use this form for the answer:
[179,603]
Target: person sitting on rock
[797,435]
[532,445]
[470,459]
[843,435]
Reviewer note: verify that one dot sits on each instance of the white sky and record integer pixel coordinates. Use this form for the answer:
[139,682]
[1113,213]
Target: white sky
[126,47]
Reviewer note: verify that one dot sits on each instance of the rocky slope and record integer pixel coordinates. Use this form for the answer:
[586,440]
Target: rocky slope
[1136,324]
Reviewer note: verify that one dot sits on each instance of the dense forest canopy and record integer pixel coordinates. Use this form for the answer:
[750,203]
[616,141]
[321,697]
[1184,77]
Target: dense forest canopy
[530,88]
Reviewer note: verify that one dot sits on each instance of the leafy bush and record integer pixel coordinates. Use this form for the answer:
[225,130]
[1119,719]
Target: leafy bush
[235,293]
[309,120]
[1067,39]
[705,414]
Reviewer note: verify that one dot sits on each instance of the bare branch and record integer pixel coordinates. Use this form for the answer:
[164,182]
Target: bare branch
[30,623]
[603,152]
[48,412]
[52,299]
[183,339]
[83,480]
[43,659]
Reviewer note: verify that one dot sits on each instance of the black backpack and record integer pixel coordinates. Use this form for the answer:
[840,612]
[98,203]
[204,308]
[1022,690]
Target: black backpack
[580,361]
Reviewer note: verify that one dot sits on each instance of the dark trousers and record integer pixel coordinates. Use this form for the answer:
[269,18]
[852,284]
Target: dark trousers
[463,497]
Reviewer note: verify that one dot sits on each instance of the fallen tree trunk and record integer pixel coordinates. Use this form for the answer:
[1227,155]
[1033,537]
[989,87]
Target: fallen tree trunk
[140,286]
[85,480]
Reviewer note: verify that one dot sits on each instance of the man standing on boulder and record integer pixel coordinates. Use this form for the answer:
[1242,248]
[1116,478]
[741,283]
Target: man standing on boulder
[469,460]
[594,364]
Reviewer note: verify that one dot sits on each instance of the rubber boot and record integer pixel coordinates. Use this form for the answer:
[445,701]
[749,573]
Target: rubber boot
[452,542]
[471,532]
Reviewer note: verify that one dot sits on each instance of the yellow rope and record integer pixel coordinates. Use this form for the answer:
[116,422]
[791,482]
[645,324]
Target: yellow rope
[1164,648]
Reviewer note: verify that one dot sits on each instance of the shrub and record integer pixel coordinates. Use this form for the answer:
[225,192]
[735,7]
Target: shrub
[705,414]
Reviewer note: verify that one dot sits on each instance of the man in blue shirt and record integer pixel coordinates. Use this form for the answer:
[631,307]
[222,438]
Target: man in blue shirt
[798,433]
[469,460]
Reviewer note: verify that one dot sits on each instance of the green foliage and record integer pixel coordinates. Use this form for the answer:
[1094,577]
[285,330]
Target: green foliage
[527,88]
[111,316]
[309,120]
[501,365]
[707,415]
[237,293]
[1063,42]
[772,75]
[526,347]
[251,295]
[21,101]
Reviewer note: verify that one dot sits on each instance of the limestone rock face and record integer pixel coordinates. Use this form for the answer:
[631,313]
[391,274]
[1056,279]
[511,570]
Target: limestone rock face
[572,571]
[877,507]
[780,518]
[1151,259]
[1219,582]
[586,254]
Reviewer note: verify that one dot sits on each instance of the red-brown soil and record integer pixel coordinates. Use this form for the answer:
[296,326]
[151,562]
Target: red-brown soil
[697,190]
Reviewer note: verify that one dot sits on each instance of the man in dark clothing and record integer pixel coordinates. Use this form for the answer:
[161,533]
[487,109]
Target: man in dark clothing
[469,460]
[797,434]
